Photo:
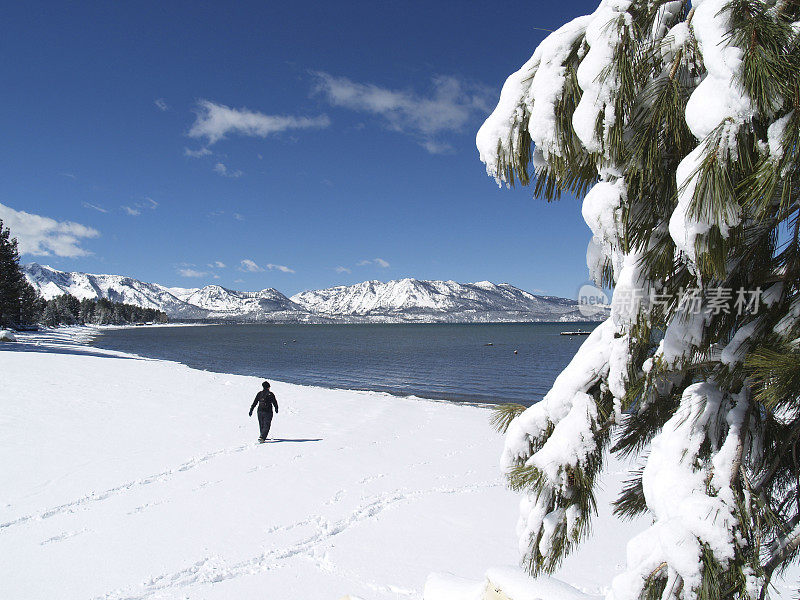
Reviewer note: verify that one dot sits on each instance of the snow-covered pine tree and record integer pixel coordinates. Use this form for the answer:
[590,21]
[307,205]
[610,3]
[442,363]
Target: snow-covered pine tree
[679,124]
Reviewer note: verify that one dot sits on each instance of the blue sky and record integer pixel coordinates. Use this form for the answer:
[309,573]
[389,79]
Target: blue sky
[301,145]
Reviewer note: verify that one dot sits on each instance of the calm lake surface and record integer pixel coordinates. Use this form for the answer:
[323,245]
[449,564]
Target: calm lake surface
[439,361]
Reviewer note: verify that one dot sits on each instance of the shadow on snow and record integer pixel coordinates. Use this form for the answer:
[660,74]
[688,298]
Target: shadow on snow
[273,440]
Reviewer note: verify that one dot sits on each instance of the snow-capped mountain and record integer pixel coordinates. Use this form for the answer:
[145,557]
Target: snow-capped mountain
[417,300]
[220,301]
[50,283]
[209,302]
[405,300]
[182,293]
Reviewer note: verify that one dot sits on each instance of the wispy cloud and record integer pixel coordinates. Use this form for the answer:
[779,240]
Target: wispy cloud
[69,175]
[449,107]
[436,147]
[161,104]
[214,214]
[43,236]
[221,169]
[281,268]
[250,266]
[196,153]
[217,264]
[94,207]
[373,261]
[191,273]
[215,121]
[147,203]
[341,269]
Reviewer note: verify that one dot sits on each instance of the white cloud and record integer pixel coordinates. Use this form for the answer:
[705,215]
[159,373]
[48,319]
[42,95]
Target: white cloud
[161,104]
[341,269]
[94,207]
[215,121]
[282,268]
[375,261]
[153,203]
[134,212]
[217,264]
[250,266]
[191,273]
[196,153]
[221,169]
[43,236]
[70,175]
[238,217]
[450,107]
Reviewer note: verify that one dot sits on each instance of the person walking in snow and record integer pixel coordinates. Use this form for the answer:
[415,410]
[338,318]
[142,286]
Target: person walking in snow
[265,400]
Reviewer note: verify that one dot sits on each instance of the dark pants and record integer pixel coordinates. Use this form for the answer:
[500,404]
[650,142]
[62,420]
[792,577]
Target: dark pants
[264,422]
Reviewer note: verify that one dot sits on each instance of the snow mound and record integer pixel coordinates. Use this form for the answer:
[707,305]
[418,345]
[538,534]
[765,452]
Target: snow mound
[501,583]
[7,336]
[444,586]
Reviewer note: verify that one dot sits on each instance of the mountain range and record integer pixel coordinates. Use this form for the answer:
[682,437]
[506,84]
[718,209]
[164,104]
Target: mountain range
[398,301]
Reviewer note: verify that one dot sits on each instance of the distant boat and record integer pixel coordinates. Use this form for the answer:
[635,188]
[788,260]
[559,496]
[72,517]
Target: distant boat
[579,332]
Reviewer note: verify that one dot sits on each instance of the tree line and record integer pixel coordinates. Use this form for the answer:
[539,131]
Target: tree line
[22,306]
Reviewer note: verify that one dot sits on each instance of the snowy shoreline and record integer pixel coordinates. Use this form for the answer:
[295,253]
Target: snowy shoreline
[80,338]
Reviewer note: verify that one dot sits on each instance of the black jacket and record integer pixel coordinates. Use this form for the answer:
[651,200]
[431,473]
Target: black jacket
[265,400]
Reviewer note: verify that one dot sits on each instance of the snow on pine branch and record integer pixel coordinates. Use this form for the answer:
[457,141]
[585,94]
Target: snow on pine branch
[600,86]
[653,211]
[558,438]
[693,505]
[527,105]
[715,111]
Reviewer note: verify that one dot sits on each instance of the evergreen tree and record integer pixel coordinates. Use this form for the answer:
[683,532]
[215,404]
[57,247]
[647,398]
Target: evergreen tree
[31,305]
[679,124]
[12,281]
[51,316]
[86,312]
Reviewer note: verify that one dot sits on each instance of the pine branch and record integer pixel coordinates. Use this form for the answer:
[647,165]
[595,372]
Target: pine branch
[737,461]
[503,414]
[786,546]
[631,502]
[679,54]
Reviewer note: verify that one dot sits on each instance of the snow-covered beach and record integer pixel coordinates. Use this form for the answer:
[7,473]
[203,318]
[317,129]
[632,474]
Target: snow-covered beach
[131,478]
[124,477]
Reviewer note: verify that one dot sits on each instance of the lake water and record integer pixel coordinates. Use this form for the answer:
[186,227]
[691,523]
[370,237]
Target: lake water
[439,361]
